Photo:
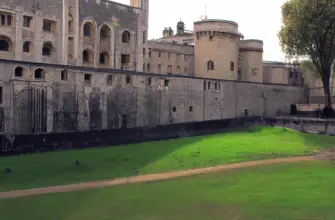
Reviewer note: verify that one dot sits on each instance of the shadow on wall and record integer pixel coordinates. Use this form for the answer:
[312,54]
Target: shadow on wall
[71,140]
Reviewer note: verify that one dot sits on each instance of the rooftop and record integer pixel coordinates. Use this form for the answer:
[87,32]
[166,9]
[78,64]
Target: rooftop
[217,20]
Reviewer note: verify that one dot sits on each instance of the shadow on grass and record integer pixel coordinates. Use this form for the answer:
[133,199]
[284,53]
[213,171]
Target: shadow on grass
[313,142]
[55,168]
[318,141]
[245,144]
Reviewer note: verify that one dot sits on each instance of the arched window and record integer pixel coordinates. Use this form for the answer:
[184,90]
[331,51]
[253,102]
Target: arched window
[39,73]
[105,32]
[27,47]
[18,71]
[86,56]
[125,37]
[232,66]
[47,49]
[210,65]
[88,29]
[103,58]
[5,44]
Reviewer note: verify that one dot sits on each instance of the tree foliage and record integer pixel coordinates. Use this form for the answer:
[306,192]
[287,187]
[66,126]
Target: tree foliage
[307,65]
[309,31]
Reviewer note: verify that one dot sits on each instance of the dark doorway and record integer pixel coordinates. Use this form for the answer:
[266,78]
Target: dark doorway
[293,109]
[124,121]
[246,112]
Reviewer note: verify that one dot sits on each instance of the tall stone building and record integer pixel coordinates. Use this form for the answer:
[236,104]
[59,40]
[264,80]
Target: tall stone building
[92,33]
[72,65]
[104,34]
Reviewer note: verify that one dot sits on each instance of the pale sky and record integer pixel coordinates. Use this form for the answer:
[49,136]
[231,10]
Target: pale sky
[257,19]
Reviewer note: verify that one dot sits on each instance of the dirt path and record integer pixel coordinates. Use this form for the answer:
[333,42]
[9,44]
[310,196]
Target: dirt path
[144,178]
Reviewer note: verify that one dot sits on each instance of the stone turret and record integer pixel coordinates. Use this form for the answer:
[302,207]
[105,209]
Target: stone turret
[251,60]
[180,28]
[168,32]
[216,49]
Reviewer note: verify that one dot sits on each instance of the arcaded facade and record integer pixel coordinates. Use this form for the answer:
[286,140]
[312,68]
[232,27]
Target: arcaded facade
[91,33]
[72,65]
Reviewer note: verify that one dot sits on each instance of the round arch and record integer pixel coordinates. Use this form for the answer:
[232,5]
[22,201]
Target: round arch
[107,44]
[108,25]
[40,73]
[27,47]
[92,24]
[6,43]
[21,71]
[126,36]
[104,58]
[87,55]
[105,31]
[210,65]
[47,48]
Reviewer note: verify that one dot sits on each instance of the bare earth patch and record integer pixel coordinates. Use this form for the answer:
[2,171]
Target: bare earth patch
[149,177]
[326,154]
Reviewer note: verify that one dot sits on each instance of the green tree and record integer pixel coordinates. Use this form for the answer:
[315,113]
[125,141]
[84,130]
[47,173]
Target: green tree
[309,31]
[308,65]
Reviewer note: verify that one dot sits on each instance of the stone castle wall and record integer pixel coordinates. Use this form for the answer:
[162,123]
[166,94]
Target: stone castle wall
[74,98]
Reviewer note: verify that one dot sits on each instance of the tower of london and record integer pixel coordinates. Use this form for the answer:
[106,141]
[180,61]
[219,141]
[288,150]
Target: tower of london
[76,65]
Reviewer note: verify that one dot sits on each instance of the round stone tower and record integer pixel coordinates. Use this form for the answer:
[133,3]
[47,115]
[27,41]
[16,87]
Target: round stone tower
[251,61]
[216,48]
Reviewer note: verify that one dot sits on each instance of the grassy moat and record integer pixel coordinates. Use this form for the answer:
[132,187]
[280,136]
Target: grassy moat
[300,190]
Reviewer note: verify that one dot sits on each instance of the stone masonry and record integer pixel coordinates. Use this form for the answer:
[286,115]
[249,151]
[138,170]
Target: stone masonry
[90,98]
[77,65]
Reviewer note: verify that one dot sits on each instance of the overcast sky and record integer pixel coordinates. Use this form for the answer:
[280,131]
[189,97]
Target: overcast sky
[257,19]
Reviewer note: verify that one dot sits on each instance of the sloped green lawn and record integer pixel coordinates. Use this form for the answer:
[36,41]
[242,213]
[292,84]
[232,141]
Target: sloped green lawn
[288,191]
[253,143]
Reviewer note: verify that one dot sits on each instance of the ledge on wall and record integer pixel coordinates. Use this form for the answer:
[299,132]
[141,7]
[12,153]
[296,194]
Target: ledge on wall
[127,72]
